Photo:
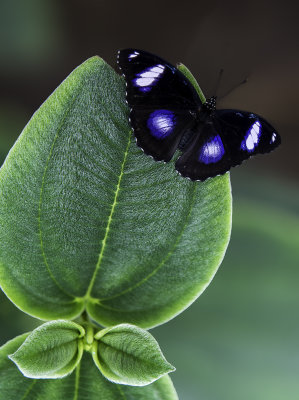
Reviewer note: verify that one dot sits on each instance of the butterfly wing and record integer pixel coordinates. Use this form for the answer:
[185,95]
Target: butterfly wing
[205,156]
[158,132]
[225,140]
[163,103]
[246,134]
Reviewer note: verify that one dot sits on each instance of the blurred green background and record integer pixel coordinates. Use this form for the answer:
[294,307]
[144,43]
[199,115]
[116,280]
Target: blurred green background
[239,340]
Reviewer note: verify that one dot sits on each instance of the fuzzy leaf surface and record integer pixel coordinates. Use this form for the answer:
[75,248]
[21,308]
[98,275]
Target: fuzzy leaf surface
[53,350]
[129,355]
[85,383]
[87,221]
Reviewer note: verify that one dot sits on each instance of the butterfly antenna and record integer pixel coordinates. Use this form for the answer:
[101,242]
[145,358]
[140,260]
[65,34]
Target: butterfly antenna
[218,82]
[234,88]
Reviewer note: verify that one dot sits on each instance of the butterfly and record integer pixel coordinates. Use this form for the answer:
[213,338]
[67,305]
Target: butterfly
[168,114]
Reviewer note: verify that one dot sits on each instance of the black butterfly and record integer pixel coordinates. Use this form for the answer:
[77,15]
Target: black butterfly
[166,114]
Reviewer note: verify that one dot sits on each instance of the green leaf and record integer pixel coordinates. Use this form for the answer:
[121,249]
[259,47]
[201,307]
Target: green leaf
[84,383]
[87,221]
[53,350]
[129,355]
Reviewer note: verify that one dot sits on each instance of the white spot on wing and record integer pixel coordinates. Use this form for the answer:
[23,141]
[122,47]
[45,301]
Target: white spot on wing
[133,55]
[149,76]
[252,138]
[211,150]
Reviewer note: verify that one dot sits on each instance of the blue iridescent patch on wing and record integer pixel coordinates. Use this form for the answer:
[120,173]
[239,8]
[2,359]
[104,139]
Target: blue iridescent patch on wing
[161,123]
[146,79]
[252,137]
[212,151]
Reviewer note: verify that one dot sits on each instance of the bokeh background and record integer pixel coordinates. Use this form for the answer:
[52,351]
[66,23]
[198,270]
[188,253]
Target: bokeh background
[239,340]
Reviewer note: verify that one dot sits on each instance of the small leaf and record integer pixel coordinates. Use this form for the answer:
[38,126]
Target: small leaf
[53,350]
[129,355]
[85,383]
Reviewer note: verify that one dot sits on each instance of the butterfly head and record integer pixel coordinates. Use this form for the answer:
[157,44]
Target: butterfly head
[207,109]
[210,104]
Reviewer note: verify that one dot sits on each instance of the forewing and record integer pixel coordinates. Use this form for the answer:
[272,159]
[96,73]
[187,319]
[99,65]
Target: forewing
[245,134]
[163,103]
[153,82]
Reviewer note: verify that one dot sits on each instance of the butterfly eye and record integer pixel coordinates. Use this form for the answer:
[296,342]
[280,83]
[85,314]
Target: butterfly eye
[212,151]
[161,123]
[252,137]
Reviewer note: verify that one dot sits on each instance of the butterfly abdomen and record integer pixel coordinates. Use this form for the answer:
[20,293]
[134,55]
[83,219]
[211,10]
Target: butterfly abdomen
[186,139]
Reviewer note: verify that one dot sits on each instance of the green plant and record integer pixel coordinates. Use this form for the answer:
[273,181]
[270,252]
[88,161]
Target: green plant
[92,230]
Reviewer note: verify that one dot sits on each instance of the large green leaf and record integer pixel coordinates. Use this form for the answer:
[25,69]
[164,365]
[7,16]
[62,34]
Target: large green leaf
[86,382]
[88,221]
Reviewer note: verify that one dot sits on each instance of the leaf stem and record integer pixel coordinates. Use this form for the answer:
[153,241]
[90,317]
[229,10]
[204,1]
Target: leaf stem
[89,335]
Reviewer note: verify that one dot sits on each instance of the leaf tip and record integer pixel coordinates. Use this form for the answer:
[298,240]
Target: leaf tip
[94,61]
[11,357]
[171,367]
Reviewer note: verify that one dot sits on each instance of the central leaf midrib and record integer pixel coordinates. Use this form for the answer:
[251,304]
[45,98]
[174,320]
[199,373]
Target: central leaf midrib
[127,354]
[109,221]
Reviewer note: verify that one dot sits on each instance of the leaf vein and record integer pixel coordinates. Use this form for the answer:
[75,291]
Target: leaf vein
[108,140]
[107,230]
[121,392]
[119,124]
[41,199]
[160,265]
[29,389]
[94,161]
